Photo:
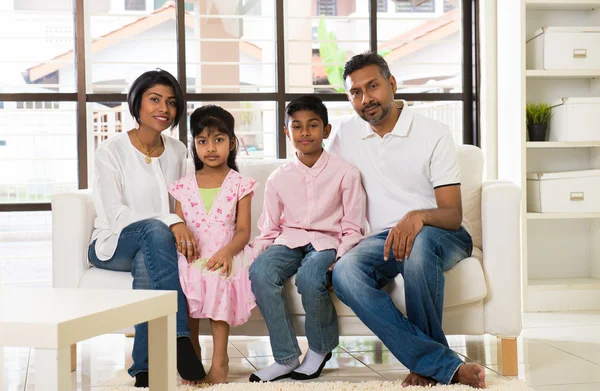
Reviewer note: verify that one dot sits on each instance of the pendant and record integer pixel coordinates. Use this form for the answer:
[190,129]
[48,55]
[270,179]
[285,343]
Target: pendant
[148,159]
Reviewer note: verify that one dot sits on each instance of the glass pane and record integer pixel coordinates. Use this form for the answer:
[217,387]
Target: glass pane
[255,127]
[447,112]
[38,151]
[422,44]
[26,249]
[319,43]
[45,29]
[105,120]
[121,44]
[230,46]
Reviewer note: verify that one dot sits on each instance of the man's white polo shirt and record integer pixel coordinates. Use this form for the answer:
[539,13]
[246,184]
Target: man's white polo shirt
[400,170]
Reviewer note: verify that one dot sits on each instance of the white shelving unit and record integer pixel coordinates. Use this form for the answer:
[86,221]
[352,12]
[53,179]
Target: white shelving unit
[561,251]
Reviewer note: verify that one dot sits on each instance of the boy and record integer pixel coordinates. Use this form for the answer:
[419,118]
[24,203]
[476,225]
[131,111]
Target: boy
[313,214]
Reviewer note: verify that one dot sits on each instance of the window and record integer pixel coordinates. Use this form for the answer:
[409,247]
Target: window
[236,56]
[415,5]
[327,7]
[382,5]
[135,5]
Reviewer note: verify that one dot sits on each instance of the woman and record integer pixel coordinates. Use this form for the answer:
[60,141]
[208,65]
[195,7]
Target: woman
[136,229]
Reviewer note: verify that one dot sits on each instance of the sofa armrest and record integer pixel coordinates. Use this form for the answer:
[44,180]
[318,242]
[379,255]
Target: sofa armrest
[72,225]
[501,234]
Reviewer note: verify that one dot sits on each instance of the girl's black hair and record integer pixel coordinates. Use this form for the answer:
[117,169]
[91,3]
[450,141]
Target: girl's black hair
[213,118]
[148,80]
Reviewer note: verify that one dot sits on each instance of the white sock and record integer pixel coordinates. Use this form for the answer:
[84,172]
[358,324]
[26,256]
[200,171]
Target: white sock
[275,370]
[311,363]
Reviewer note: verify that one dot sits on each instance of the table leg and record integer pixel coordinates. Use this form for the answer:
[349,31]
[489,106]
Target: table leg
[53,369]
[161,353]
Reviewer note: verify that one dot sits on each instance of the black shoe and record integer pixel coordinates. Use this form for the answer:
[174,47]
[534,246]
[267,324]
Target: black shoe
[303,376]
[188,365]
[256,379]
[141,380]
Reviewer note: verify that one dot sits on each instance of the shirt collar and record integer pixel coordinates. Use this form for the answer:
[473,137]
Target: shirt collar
[402,125]
[316,169]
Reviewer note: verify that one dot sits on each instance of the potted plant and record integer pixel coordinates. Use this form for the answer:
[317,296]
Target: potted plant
[538,118]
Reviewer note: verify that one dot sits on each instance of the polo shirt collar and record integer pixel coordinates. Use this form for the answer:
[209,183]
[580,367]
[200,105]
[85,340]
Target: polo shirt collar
[402,125]
[316,169]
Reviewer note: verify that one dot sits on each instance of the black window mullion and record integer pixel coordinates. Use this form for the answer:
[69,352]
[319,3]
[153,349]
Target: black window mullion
[281,96]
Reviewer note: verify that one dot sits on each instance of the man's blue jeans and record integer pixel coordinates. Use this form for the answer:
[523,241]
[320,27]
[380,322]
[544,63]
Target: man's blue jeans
[267,275]
[147,250]
[417,342]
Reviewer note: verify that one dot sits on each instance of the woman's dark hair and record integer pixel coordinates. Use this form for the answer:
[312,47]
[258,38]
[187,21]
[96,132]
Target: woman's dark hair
[148,80]
[213,118]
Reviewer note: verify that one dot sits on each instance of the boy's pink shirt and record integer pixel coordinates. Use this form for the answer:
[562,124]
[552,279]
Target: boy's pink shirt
[323,205]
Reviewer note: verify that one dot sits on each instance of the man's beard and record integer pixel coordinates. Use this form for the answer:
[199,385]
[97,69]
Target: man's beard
[378,118]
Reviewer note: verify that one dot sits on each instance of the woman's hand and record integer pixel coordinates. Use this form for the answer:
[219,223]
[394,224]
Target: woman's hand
[186,244]
[221,259]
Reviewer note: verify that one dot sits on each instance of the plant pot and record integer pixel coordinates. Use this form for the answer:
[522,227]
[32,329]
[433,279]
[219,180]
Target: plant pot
[537,132]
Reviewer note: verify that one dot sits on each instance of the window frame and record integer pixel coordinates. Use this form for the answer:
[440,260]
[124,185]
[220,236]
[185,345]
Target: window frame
[469,95]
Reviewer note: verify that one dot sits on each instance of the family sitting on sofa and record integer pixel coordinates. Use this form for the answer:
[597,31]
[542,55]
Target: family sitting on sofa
[388,165]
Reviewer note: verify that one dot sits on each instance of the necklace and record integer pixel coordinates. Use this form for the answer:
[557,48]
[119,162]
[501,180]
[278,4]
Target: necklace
[148,158]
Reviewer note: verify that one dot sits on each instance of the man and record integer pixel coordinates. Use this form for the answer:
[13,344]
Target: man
[411,175]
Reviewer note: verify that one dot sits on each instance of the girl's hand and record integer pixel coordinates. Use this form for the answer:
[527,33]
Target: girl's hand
[221,259]
[186,244]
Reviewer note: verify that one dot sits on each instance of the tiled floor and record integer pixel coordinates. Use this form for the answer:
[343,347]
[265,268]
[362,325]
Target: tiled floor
[557,351]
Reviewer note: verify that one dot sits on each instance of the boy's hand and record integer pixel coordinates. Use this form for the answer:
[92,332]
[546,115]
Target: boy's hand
[186,244]
[221,259]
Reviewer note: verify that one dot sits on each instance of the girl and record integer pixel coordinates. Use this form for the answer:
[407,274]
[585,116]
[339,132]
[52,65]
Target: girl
[215,203]
[136,227]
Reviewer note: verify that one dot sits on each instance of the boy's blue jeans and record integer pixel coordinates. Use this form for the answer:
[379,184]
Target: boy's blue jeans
[147,250]
[267,275]
[417,342]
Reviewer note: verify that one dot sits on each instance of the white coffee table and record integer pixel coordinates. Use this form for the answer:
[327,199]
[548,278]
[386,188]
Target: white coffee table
[51,320]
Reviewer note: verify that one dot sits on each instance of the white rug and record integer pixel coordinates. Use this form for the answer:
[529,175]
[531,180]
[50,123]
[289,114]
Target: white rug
[492,385]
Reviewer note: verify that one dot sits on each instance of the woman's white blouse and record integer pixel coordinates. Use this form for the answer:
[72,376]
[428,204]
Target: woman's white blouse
[126,189]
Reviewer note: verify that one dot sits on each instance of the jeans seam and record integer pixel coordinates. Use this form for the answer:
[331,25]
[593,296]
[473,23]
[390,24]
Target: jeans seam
[287,359]
[453,370]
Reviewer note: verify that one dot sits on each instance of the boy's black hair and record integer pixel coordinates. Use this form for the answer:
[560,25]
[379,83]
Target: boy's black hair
[307,102]
[362,60]
[213,118]
[148,80]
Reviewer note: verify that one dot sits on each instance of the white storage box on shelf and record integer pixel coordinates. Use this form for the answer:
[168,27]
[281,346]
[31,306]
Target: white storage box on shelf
[575,119]
[564,192]
[564,48]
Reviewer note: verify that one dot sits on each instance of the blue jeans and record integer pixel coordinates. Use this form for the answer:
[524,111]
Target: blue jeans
[147,250]
[267,275]
[417,342]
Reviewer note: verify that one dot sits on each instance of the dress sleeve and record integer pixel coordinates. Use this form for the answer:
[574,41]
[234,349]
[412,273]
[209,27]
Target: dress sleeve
[176,189]
[246,187]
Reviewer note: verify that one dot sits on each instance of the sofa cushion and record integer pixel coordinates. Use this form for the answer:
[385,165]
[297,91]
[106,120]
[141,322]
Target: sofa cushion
[465,284]
[470,159]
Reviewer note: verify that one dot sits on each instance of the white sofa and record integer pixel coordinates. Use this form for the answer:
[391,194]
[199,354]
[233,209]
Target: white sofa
[482,293]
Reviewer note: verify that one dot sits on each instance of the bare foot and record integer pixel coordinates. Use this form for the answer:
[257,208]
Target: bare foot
[471,374]
[218,373]
[190,382]
[414,379]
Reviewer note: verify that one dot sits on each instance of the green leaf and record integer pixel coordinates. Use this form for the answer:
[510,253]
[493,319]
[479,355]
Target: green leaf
[332,56]
[538,114]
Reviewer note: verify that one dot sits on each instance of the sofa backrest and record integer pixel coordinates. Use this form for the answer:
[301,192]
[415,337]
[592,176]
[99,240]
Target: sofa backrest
[471,164]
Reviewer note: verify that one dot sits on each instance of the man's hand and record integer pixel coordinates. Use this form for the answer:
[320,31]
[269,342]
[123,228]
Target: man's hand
[221,259]
[186,244]
[401,238]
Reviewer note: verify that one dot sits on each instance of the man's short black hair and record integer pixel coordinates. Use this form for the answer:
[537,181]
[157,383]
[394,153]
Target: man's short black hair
[307,102]
[363,60]
[148,80]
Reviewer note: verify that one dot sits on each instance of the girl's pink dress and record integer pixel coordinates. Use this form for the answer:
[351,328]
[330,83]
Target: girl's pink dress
[211,294]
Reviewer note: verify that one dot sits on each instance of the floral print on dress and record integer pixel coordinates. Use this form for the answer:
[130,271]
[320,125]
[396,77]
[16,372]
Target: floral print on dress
[210,294]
